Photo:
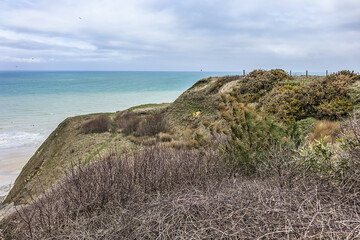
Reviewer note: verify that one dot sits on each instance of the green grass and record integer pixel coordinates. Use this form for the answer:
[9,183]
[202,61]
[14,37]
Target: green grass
[149,107]
[97,151]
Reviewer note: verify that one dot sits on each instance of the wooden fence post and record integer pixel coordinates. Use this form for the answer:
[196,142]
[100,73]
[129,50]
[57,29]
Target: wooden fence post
[307,73]
[243,72]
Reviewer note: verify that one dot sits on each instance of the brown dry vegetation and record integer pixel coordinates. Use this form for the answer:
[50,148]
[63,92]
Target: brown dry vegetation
[326,129]
[99,124]
[141,125]
[185,194]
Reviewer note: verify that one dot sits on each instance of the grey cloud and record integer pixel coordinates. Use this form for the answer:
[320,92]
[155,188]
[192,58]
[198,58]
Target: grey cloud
[182,35]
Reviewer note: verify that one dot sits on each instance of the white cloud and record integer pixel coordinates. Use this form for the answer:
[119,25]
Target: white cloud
[153,32]
[51,41]
[21,60]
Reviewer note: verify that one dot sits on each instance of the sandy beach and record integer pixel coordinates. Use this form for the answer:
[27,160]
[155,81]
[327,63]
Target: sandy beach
[12,161]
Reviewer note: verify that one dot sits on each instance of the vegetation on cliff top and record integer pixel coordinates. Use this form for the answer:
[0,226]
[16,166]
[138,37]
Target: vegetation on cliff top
[284,136]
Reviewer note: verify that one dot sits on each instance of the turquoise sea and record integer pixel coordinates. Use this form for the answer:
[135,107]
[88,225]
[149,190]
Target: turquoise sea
[33,103]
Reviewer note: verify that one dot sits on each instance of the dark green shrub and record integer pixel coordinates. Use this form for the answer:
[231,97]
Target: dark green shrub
[251,135]
[326,98]
[258,82]
[288,103]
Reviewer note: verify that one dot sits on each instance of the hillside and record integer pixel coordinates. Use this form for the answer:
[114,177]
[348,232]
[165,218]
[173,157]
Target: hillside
[191,121]
[68,146]
[222,131]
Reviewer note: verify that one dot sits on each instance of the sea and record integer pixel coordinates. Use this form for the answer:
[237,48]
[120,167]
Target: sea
[33,103]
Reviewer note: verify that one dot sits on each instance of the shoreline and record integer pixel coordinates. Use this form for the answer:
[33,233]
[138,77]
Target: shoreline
[12,160]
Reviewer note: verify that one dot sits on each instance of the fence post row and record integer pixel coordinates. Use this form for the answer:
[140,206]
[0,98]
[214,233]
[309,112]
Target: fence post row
[306,73]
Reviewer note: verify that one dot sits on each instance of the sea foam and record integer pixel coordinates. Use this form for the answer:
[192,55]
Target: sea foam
[19,139]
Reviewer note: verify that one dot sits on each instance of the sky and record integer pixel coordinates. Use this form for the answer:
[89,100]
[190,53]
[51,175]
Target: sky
[180,35]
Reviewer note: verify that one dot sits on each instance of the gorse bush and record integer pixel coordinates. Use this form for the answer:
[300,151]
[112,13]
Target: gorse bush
[258,82]
[250,134]
[99,124]
[287,103]
[326,98]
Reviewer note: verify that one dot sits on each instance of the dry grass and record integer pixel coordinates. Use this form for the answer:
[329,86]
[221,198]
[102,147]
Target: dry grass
[164,137]
[327,130]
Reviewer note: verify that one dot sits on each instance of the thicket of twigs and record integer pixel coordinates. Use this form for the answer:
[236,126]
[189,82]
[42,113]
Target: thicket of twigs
[198,194]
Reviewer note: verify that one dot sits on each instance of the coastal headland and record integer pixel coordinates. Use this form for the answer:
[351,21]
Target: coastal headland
[267,131]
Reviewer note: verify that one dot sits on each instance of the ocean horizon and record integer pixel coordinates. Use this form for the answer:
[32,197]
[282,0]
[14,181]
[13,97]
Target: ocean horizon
[33,103]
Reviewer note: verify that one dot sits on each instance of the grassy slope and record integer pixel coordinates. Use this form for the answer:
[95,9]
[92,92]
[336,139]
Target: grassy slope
[66,147]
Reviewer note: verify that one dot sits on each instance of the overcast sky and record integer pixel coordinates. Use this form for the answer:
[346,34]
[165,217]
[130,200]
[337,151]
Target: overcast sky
[179,35]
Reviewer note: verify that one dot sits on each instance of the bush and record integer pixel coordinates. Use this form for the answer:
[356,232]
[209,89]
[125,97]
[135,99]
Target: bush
[316,161]
[258,82]
[139,126]
[250,135]
[287,103]
[350,144]
[128,122]
[326,98]
[151,125]
[109,185]
[99,124]
[184,195]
